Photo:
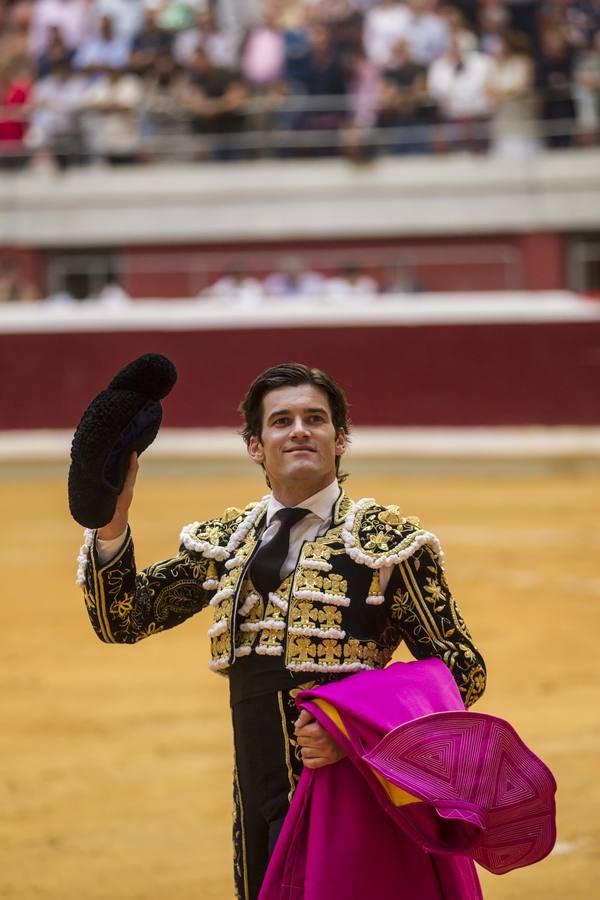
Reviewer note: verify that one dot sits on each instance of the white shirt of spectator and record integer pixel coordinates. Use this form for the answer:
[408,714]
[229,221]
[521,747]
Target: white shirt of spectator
[115,128]
[55,104]
[427,36]
[362,286]
[461,91]
[384,27]
[243,289]
[127,15]
[74,18]
[221,47]
[113,54]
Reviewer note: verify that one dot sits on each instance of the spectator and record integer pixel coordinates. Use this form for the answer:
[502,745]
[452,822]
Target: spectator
[221,45]
[493,20]
[72,17]
[14,287]
[457,82]
[404,103]
[151,42]
[236,284]
[55,119]
[293,280]
[56,50]
[112,294]
[105,49]
[426,32]
[457,23]
[324,85]
[385,25]
[514,129]
[14,33]
[583,22]
[399,279]
[15,90]
[110,113]
[587,91]
[164,116]
[263,52]
[127,15]
[215,99]
[351,281]
[555,74]
[363,92]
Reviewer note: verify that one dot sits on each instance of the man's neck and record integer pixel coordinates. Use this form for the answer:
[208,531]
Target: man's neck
[294,495]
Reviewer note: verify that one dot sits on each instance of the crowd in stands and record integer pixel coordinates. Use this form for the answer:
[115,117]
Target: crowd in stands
[292,279]
[125,81]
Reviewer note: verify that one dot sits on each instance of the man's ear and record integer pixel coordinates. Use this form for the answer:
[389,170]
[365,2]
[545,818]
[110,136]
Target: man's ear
[340,443]
[255,450]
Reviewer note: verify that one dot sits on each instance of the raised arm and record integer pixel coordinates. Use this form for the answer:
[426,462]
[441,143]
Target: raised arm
[126,606]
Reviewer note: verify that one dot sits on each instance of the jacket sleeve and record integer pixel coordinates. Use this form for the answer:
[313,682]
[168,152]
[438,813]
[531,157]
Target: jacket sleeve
[125,606]
[430,622]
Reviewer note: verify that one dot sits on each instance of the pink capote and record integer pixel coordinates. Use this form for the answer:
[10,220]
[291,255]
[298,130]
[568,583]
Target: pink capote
[345,838]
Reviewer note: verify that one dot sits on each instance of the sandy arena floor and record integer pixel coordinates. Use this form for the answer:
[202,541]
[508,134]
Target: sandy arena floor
[115,761]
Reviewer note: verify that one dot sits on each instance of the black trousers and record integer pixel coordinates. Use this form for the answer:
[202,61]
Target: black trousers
[267,768]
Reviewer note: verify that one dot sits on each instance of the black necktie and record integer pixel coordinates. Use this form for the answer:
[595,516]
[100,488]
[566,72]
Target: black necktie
[266,566]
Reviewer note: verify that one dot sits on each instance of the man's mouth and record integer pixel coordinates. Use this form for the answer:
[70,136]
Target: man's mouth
[302,449]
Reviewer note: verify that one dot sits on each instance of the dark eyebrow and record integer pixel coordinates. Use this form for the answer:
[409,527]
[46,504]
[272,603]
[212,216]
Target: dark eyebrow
[287,412]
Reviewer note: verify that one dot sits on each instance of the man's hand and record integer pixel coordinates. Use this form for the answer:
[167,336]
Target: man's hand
[118,523]
[317,746]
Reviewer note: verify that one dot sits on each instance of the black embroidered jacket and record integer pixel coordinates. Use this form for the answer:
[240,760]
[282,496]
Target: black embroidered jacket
[328,617]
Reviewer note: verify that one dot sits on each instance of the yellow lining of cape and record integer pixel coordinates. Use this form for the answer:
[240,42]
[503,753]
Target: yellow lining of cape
[396,794]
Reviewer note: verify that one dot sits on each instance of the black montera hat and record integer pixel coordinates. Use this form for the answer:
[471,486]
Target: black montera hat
[124,417]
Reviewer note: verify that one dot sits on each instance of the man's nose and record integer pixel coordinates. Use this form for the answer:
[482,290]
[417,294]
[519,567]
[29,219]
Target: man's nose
[299,427]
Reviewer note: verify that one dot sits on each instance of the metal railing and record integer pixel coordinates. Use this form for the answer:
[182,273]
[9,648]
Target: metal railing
[291,127]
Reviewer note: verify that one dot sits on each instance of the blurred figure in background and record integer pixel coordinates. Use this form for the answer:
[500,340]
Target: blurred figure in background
[164,114]
[56,50]
[14,286]
[399,278]
[458,83]
[55,129]
[74,19]
[554,80]
[385,25]
[127,15]
[221,45]
[293,280]
[404,103]
[15,91]
[351,281]
[511,88]
[214,100]
[324,83]
[426,32]
[236,284]
[112,294]
[150,44]
[104,49]
[587,91]
[110,116]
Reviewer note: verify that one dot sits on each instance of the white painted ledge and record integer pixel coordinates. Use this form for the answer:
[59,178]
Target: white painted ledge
[474,308]
[367,443]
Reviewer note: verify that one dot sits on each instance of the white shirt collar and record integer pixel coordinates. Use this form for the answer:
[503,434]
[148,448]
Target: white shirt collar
[321,503]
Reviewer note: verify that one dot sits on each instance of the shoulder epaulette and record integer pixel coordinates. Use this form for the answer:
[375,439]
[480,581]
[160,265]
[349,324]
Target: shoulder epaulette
[377,535]
[219,538]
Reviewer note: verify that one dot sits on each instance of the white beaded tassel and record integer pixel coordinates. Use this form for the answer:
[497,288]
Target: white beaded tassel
[84,555]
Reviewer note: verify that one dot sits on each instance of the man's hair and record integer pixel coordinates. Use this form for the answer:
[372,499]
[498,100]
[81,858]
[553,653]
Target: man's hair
[290,375]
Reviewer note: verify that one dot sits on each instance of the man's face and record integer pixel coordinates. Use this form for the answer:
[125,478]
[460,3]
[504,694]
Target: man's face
[298,446]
